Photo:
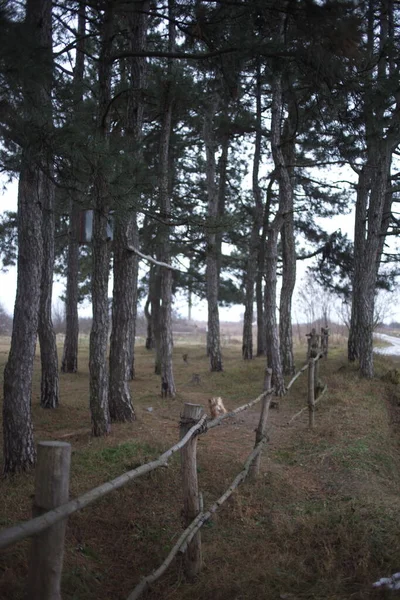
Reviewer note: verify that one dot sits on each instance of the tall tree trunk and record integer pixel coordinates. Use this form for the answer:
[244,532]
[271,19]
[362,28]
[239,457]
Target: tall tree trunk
[254,246]
[126,235]
[19,450]
[125,278]
[367,249]
[47,336]
[285,192]
[69,362]
[287,235]
[99,406]
[212,276]
[373,200]
[360,224]
[164,251]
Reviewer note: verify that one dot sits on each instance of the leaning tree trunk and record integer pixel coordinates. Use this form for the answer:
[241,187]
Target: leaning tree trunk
[69,362]
[19,450]
[99,407]
[18,443]
[47,336]
[212,260]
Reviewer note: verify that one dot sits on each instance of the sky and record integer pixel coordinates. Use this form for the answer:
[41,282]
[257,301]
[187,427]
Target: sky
[8,280]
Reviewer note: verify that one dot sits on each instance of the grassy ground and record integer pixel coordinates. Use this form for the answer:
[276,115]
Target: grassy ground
[322,521]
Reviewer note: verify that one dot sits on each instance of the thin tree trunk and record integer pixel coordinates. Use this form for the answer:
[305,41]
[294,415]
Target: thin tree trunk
[164,254]
[285,191]
[254,246]
[212,276]
[99,406]
[70,352]
[261,320]
[149,319]
[18,443]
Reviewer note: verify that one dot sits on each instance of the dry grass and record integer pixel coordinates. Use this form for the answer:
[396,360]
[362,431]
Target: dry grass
[321,522]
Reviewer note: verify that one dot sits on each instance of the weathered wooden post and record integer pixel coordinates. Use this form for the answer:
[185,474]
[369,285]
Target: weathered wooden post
[311,392]
[262,424]
[51,490]
[191,498]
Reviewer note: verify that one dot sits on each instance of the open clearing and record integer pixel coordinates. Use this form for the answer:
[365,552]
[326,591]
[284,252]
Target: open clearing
[322,521]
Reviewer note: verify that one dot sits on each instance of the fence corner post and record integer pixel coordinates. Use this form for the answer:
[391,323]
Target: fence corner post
[51,490]
[311,392]
[262,424]
[191,498]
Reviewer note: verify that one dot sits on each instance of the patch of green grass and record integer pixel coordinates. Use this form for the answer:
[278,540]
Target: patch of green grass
[111,461]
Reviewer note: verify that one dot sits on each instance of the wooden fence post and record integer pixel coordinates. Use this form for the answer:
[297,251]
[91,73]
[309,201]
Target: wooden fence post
[311,392]
[191,498]
[51,490]
[262,424]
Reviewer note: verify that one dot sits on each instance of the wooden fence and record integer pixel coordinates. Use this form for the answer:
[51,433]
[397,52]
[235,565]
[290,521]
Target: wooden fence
[52,508]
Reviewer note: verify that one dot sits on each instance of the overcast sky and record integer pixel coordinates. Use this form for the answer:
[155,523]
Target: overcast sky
[8,280]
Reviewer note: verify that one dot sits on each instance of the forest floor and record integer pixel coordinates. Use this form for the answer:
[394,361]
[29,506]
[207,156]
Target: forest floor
[321,522]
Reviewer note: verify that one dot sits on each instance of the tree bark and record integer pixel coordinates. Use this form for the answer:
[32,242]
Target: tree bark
[70,352]
[19,450]
[47,336]
[254,246]
[373,197]
[125,282]
[285,192]
[126,234]
[212,260]
[287,236]
[149,318]
[164,251]
[99,406]
[69,362]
